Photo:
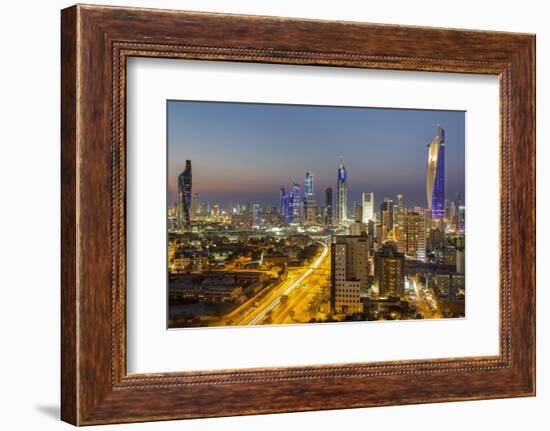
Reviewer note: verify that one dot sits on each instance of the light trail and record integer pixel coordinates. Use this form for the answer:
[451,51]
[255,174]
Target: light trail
[289,289]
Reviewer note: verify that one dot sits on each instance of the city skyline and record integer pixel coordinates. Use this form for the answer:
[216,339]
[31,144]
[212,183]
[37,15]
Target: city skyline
[266,228]
[240,165]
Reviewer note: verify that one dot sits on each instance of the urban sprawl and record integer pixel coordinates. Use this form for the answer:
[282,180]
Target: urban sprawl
[309,259]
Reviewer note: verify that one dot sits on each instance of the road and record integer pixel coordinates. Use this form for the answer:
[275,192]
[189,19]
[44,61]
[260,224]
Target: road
[304,303]
[424,303]
[273,301]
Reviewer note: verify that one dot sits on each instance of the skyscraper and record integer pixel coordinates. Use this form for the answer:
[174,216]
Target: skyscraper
[286,206]
[368,207]
[310,203]
[185,183]
[342,194]
[296,204]
[308,184]
[195,205]
[435,175]
[283,204]
[400,204]
[310,209]
[328,206]
[257,214]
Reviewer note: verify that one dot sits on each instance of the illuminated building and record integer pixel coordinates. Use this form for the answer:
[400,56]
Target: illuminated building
[452,214]
[284,206]
[216,210]
[460,243]
[328,206]
[461,218]
[308,184]
[349,271]
[400,204]
[368,207]
[310,204]
[411,235]
[342,195]
[310,209]
[295,204]
[448,284]
[460,261]
[435,176]
[357,212]
[195,205]
[398,209]
[386,219]
[257,214]
[185,182]
[357,228]
[389,272]
[436,240]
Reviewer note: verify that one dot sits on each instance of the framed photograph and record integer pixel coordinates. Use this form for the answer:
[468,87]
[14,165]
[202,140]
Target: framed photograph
[322,214]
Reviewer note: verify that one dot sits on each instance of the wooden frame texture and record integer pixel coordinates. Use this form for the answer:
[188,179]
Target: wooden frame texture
[95,43]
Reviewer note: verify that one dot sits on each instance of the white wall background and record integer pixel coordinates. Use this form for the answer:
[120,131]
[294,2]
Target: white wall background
[29,214]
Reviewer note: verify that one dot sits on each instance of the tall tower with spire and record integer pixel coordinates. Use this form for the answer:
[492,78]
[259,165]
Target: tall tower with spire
[342,194]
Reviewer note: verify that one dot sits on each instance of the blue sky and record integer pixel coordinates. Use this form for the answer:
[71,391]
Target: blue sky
[246,152]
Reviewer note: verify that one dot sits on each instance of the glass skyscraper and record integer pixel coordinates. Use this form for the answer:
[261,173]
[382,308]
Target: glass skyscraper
[308,185]
[342,194]
[435,175]
[296,204]
[185,183]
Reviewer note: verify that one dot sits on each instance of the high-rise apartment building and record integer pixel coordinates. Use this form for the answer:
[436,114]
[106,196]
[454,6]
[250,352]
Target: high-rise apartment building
[357,212]
[349,271]
[386,219]
[389,272]
[400,204]
[411,235]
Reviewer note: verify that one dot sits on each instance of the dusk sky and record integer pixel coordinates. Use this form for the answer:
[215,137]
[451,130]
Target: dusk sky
[242,152]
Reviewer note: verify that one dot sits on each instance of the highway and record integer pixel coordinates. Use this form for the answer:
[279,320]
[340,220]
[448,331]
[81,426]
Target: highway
[274,302]
[304,303]
[424,303]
